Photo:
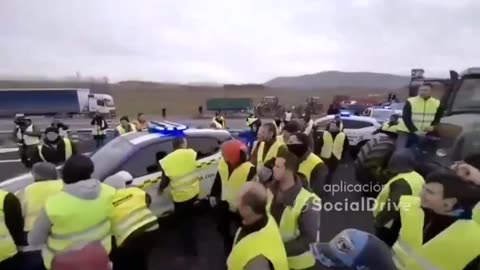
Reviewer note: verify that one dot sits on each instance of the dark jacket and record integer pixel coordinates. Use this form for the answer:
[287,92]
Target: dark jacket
[55,152]
[14,221]
[407,117]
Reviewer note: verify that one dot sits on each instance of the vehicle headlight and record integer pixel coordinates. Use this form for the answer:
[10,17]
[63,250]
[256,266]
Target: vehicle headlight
[441,152]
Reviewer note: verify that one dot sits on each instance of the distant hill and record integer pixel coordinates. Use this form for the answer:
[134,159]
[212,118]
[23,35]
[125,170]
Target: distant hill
[337,79]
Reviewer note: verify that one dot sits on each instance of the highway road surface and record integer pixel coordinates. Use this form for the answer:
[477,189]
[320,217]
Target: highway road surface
[346,208]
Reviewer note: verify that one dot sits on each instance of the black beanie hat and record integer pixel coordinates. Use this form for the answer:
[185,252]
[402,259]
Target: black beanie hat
[77,168]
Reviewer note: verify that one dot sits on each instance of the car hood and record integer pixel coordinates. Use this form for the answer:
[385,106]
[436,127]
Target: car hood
[17,183]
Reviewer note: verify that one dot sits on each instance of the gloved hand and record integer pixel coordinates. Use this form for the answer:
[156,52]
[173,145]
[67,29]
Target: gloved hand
[212,201]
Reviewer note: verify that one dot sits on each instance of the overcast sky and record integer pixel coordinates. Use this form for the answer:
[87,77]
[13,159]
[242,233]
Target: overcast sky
[235,41]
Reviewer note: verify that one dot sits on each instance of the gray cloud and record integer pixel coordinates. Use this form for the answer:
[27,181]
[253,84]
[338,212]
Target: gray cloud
[234,41]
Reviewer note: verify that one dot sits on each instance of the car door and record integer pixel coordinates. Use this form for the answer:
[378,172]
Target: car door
[357,130]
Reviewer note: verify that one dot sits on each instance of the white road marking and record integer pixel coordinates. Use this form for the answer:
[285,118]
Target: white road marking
[10,161]
[8,150]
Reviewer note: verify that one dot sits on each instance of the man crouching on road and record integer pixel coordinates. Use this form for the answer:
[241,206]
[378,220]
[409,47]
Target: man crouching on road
[258,244]
[296,209]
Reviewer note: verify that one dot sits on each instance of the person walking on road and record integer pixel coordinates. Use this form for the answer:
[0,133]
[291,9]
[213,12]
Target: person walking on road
[438,229]
[405,182]
[124,127]
[28,138]
[55,148]
[99,130]
[295,209]
[134,225]
[77,216]
[178,168]
[420,115]
[11,231]
[234,170]
[311,166]
[267,146]
[334,146]
[353,249]
[141,124]
[258,243]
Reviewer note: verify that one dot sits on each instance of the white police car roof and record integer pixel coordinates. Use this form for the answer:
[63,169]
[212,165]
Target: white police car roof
[349,117]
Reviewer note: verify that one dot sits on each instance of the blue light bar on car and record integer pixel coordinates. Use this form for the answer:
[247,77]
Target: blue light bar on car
[167,128]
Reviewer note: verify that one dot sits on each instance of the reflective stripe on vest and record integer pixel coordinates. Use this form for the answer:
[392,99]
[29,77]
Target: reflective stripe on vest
[414,180]
[423,112]
[121,130]
[231,184]
[34,198]
[130,213]
[68,149]
[7,246]
[77,222]
[307,166]
[271,153]
[289,228]
[178,166]
[454,248]
[27,139]
[266,242]
[332,147]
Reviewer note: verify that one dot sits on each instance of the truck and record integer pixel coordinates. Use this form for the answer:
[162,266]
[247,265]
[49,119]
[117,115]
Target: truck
[54,102]
[229,104]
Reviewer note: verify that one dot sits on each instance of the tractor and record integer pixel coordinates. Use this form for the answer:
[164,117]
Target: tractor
[269,107]
[455,138]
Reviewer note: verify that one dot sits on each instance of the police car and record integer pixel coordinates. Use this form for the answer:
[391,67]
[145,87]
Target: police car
[381,114]
[138,153]
[359,129]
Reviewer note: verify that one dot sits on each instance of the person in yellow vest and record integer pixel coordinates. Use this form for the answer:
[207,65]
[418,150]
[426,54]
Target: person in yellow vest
[268,143]
[234,170]
[353,249]
[405,182]
[334,147]
[437,230]
[77,216]
[391,126]
[420,115]
[55,149]
[99,130]
[311,167]
[258,243]
[134,225]
[11,231]
[178,172]
[295,209]
[125,126]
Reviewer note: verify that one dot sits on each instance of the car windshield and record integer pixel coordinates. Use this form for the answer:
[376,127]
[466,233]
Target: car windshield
[397,106]
[110,156]
[381,114]
[468,96]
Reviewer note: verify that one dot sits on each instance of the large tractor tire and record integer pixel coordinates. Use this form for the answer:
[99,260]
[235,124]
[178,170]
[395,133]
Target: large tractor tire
[371,163]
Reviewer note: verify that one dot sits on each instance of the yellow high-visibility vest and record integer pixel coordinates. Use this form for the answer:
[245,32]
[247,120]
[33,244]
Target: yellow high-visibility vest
[122,130]
[331,146]
[272,152]
[178,166]
[231,184]
[8,248]
[289,228]
[130,213]
[390,128]
[266,242]
[251,120]
[476,213]
[414,180]
[307,166]
[76,222]
[423,112]
[68,149]
[34,198]
[453,248]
